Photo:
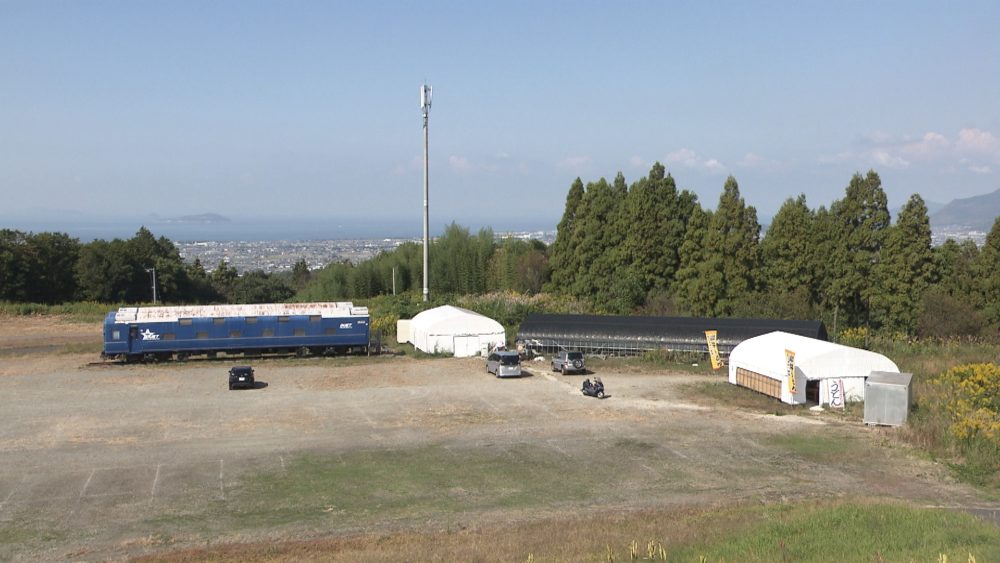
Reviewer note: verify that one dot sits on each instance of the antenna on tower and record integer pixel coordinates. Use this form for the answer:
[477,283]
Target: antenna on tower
[425,108]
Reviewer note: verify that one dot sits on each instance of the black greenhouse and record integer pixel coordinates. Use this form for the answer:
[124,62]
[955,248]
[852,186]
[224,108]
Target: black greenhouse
[626,336]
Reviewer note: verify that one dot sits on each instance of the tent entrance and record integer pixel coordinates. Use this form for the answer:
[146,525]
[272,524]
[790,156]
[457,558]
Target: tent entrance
[465,346]
[812,391]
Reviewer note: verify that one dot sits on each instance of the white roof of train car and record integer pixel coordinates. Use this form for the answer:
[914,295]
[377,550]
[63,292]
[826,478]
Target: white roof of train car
[167,314]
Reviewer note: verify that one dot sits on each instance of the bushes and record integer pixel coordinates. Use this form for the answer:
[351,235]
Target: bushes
[961,411]
[971,395]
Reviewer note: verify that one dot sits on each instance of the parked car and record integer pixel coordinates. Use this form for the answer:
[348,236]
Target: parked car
[504,364]
[569,362]
[241,376]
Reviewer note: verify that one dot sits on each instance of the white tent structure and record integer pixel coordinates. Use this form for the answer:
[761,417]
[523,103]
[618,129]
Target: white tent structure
[449,329]
[824,373]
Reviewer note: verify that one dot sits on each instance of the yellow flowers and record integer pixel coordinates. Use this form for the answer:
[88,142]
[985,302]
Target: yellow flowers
[971,395]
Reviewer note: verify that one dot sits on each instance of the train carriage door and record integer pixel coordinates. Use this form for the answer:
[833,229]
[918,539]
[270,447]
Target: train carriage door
[133,336]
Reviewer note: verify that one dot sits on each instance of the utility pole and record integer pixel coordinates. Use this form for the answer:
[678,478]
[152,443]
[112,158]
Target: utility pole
[425,108]
[153,271]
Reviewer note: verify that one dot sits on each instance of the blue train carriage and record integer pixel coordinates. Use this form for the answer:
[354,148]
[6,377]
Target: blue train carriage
[160,333]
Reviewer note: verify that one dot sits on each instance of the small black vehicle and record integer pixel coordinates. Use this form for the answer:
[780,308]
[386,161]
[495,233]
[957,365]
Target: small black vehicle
[241,376]
[595,389]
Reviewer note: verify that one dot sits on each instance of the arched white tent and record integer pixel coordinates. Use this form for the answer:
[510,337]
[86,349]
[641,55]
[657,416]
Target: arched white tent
[825,373]
[449,329]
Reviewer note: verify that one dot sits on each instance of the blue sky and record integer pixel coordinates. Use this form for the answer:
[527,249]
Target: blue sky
[311,109]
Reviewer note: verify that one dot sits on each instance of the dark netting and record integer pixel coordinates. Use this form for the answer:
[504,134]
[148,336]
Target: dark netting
[625,336]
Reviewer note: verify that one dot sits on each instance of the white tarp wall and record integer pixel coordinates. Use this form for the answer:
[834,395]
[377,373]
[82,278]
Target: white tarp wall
[454,330]
[403,331]
[840,370]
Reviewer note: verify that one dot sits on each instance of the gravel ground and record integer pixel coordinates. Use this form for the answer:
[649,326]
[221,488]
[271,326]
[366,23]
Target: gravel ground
[89,452]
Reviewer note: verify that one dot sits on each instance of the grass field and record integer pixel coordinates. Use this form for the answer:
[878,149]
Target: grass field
[807,532]
[523,485]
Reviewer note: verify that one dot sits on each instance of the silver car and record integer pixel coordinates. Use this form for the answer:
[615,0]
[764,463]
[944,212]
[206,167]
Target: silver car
[568,362]
[504,364]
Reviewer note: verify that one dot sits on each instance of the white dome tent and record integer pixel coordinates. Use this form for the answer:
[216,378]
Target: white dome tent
[825,373]
[449,329]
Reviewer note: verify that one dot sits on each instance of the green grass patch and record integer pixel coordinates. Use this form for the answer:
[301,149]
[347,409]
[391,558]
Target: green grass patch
[366,487]
[818,447]
[19,533]
[839,532]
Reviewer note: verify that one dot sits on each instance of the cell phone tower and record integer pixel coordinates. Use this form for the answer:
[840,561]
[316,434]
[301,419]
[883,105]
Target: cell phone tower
[425,107]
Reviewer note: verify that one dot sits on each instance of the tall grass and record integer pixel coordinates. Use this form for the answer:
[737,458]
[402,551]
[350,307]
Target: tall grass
[932,421]
[82,311]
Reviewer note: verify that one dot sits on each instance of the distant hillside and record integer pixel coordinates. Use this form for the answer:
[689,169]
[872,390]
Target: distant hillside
[977,212]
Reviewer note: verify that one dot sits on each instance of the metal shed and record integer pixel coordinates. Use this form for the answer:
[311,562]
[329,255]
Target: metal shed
[624,336]
[887,398]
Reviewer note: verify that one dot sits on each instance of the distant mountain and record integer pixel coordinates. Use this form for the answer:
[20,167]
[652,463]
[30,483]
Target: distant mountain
[203,219]
[976,212]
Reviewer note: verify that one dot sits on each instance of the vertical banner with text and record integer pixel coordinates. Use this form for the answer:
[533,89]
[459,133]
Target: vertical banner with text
[712,337]
[790,366]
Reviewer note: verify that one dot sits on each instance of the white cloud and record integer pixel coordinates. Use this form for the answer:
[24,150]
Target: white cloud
[931,145]
[689,159]
[637,162]
[683,157]
[884,158]
[575,163]
[459,163]
[713,165]
[972,149]
[977,141]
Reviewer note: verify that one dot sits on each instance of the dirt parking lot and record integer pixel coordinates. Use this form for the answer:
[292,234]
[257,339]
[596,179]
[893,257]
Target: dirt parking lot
[108,461]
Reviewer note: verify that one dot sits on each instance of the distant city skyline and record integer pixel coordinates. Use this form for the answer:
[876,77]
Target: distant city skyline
[309,112]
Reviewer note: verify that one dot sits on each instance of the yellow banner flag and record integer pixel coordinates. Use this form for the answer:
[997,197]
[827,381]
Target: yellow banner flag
[712,337]
[790,366]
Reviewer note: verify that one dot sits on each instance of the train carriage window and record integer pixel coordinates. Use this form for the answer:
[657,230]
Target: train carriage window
[218,320]
[201,334]
[283,319]
[116,335]
[168,336]
[314,318]
[185,322]
[234,334]
[268,332]
[330,330]
[251,320]
[299,332]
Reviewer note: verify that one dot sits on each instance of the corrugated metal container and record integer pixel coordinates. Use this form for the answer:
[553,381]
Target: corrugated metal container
[887,398]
